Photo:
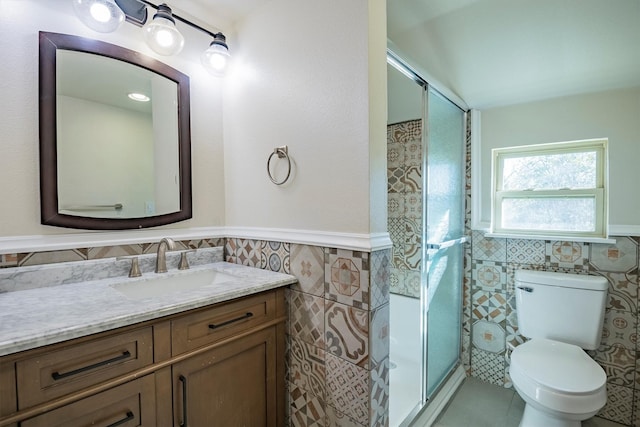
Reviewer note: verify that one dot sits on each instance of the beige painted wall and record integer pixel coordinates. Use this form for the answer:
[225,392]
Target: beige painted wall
[309,75]
[19,194]
[303,79]
[611,114]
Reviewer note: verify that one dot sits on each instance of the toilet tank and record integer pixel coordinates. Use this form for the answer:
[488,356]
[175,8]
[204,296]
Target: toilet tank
[561,306]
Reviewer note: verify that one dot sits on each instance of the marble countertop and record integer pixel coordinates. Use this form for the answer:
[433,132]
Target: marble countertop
[36,317]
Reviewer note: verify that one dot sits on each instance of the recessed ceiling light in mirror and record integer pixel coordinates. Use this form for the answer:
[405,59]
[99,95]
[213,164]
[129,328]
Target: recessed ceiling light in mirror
[140,97]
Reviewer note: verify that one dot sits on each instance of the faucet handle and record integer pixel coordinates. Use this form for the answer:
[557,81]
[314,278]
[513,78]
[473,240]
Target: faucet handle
[184,262]
[134,271]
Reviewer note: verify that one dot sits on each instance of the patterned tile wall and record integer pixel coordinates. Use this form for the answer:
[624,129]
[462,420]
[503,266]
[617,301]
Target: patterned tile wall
[493,318]
[338,331]
[85,254]
[404,212]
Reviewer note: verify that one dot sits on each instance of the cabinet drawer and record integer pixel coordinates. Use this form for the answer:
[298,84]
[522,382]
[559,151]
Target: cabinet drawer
[78,366]
[210,325]
[128,405]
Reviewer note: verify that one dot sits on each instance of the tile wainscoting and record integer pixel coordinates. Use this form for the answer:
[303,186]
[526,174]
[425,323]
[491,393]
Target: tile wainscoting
[338,328]
[491,309]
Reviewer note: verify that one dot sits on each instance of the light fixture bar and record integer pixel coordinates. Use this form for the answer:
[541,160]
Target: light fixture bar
[179,18]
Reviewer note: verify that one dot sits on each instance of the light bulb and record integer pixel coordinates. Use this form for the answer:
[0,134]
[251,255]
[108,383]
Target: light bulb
[216,57]
[103,16]
[161,33]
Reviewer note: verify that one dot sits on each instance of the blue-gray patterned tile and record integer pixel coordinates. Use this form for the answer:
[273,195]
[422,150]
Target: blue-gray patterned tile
[275,256]
[489,275]
[379,334]
[379,393]
[488,367]
[491,306]
[413,205]
[488,336]
[488,248]
[526,251]
[564,254]
[380,277]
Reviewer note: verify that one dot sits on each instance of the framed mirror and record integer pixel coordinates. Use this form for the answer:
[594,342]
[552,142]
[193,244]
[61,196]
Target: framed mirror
[115,149]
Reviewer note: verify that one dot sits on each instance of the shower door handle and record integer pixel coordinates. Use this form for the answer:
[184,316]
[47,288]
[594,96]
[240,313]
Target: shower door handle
[447,243]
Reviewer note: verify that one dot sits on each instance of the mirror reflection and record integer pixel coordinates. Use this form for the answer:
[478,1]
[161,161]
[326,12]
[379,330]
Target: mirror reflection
[114,137]
[117,139]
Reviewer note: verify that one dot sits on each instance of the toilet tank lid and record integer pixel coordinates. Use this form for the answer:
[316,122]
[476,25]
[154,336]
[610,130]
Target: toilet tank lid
[564,280]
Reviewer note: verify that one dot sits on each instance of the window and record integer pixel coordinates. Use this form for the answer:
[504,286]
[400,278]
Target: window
[556,190]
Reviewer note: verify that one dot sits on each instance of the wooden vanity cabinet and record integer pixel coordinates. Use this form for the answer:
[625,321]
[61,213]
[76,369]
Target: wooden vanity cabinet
[218,365]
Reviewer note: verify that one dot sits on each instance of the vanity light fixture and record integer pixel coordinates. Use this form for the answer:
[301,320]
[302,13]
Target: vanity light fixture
[160,33]
[215,58]
[103,16]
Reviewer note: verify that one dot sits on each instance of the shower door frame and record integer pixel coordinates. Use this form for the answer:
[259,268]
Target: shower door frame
[401,65]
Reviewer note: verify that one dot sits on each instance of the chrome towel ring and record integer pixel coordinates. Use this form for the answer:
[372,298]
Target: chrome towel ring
[283,153]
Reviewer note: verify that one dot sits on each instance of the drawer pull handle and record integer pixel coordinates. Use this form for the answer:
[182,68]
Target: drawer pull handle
[228,322]
[122,421]
[58,376]
[183,381]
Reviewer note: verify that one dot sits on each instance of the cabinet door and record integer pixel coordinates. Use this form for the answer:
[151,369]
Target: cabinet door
[129,405]
[232,385]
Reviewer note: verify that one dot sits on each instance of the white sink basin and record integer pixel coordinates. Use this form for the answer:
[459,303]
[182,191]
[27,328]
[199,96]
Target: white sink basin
[163,285]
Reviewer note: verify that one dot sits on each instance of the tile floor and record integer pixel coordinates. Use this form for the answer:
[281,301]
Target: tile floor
[479,404]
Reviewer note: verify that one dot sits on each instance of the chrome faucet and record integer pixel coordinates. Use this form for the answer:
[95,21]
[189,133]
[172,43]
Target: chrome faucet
[161,258]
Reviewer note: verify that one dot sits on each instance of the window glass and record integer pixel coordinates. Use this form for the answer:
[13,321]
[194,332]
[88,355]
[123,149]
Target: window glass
[550,214]
[550,171]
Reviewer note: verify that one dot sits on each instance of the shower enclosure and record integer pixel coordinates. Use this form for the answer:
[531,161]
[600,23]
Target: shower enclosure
[426,148]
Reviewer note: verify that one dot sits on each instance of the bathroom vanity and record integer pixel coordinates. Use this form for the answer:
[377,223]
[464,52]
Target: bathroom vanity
[90,354]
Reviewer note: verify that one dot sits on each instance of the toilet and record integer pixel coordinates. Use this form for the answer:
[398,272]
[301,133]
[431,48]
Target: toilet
[562,314]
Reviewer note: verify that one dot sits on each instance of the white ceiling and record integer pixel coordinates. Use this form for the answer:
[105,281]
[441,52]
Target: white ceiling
[500,52]
[496,52]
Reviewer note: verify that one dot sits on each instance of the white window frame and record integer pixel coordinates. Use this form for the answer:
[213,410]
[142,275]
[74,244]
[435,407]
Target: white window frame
[599,193]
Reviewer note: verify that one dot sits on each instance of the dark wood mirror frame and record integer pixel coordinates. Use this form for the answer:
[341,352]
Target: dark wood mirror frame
[50,215]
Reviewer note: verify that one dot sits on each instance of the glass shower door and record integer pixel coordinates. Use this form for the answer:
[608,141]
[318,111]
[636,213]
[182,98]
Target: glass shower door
[444,232]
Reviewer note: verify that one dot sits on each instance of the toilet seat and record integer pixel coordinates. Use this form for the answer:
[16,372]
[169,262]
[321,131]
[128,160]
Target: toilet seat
[559,376]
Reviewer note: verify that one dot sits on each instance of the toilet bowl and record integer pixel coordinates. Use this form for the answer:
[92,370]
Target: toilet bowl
[560,384]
